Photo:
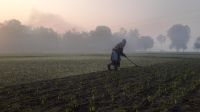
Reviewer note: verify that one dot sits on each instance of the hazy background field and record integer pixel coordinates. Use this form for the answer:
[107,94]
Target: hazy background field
[24,69]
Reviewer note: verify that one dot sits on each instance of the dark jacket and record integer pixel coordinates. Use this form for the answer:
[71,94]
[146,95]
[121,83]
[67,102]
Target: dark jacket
[119,49]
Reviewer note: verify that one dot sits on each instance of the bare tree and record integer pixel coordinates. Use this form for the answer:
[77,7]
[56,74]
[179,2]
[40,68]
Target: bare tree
[161,39]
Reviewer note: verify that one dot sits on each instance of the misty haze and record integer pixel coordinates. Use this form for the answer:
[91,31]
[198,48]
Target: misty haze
[19,38]
[99,56]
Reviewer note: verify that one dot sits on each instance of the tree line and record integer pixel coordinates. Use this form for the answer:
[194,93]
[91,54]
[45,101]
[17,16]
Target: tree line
[18,38]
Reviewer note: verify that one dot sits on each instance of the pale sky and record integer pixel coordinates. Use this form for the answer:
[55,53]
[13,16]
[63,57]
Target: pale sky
[151,17]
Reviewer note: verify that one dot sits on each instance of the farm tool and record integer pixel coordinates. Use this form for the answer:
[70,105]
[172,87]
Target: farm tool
[131,61]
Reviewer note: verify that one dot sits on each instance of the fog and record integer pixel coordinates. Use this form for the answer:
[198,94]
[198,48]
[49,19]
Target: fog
[197,44]
[58,23]
[18,38]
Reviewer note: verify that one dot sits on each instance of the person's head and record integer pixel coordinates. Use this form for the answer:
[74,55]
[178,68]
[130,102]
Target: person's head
[124,42]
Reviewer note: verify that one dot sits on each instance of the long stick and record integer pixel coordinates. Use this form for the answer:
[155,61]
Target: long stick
[131,61]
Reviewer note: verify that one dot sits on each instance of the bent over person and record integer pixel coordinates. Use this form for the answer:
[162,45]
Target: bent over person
[117,52]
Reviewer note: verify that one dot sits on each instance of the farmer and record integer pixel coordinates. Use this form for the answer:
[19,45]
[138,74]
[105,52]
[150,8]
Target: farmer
[117,52]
